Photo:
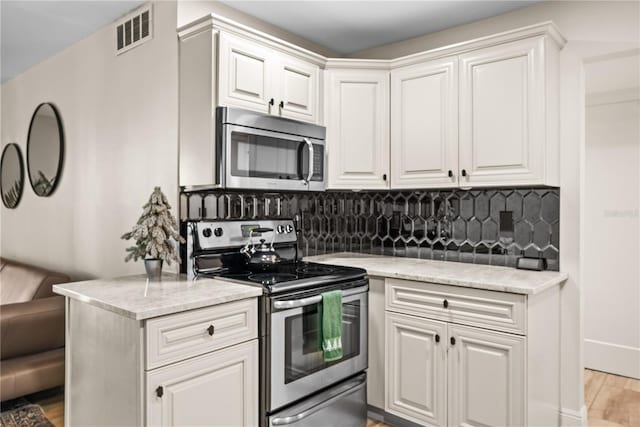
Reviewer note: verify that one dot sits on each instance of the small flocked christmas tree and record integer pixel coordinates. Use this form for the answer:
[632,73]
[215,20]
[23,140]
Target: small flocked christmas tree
[155,231]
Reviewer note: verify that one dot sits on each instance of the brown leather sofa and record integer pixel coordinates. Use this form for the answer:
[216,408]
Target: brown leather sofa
[32,329]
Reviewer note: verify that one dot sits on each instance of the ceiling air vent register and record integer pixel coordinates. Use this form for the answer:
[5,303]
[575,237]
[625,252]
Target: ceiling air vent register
[133,29]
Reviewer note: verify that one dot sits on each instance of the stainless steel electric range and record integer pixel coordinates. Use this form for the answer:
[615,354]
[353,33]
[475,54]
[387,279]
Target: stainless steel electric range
[297,387]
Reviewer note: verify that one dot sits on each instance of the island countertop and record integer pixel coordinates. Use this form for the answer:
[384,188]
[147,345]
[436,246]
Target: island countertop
[137,298]
[489,277]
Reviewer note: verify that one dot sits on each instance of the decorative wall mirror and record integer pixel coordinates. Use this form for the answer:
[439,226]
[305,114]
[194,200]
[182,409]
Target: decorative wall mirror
[11,175]
[45,149]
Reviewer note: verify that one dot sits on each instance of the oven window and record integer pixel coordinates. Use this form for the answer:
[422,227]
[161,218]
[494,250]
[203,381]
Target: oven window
[303,355]
[266,157]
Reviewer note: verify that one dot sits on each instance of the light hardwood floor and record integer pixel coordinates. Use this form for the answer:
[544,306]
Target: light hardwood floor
[613,401]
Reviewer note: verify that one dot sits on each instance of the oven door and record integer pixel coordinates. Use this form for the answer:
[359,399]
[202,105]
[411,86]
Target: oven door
[266,160]
[297,366]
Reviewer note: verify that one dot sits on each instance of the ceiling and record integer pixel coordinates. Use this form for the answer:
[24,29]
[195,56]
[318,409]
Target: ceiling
[32,31]
[350,26]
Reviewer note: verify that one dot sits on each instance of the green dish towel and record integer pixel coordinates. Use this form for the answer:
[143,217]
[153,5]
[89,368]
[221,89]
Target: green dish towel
[332,325]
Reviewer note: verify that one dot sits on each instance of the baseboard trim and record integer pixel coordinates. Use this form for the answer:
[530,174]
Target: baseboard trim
[613,358]
[573,418]
[387,418]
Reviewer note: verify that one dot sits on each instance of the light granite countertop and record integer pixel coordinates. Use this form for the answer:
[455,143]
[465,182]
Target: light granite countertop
[137,298]
[493,278]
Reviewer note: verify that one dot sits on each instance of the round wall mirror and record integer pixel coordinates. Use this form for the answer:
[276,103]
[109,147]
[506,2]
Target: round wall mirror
[11,175]
[45,149]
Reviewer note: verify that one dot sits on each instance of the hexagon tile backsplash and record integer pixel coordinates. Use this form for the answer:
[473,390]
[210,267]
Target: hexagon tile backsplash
[477,226]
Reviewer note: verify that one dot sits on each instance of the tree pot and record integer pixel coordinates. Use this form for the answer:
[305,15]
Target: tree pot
[153,267]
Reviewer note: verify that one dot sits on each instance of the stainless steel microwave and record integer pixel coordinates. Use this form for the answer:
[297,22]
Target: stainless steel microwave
[262,152]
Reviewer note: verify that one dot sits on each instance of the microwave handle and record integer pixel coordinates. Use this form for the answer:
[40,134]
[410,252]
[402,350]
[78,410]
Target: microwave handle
[310,147]
[295,303]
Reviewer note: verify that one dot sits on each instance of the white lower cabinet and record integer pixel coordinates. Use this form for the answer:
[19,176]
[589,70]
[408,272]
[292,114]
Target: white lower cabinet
[416,369]
[217,389]
[444,367]
[486,378]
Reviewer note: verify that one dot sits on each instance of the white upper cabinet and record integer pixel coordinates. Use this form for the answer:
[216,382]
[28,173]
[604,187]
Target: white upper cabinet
[424,125]
[299,91]
[260,78]
[357,117]
[508,126]
[246,74]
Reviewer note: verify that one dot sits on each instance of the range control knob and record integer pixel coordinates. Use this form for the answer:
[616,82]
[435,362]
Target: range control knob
[206,232]
[280,229]
[218,232]
[289,228]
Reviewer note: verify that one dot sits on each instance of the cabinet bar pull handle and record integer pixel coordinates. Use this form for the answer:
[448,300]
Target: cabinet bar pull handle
[464,172]
[384,176]
[211,330]
[281,105]
[450,173]
[272,101]
[453,341]
[159,391]
[445,304]
[437,338]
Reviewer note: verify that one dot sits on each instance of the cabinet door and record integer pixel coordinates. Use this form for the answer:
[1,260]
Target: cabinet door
[357,112]
[298,93]
[218,389]
[245,74]
[502,121]
[416,369]
[486,378]
[424,125]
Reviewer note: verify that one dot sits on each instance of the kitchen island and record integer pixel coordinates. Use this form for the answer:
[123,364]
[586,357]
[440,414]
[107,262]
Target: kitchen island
[460,344]
[173,352]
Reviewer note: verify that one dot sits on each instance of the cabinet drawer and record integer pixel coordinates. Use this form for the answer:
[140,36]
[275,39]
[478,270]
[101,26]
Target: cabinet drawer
[179,336]
[476,307]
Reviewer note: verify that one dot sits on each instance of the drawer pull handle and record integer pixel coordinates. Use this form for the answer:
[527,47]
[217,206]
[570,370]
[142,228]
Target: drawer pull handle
[445,304]
[159,391]
[450,173]
[437,338]
[211,330]
[453,341]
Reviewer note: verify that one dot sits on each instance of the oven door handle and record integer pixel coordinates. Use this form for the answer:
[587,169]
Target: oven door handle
[295,303]
[283,421]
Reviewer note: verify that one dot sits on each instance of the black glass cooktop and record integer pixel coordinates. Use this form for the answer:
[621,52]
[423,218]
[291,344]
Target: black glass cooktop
[293,275]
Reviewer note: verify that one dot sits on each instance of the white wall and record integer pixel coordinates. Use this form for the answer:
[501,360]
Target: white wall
[120,116]
[612,203]
[592,29]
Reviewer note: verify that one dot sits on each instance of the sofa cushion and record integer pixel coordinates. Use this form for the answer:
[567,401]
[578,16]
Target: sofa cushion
[29,374]
[31,327]
[20,282]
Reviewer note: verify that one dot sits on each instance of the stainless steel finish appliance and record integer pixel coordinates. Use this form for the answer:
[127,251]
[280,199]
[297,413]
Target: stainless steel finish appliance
[297,387]
[263,152]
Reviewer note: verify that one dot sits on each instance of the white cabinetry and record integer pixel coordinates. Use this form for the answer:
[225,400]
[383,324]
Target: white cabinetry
[486,378]
[424,124]
[416,369]
[222,63]
[448,361]
[197,367]
[260,78]
[357,128]
[508,116]
[217,389]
